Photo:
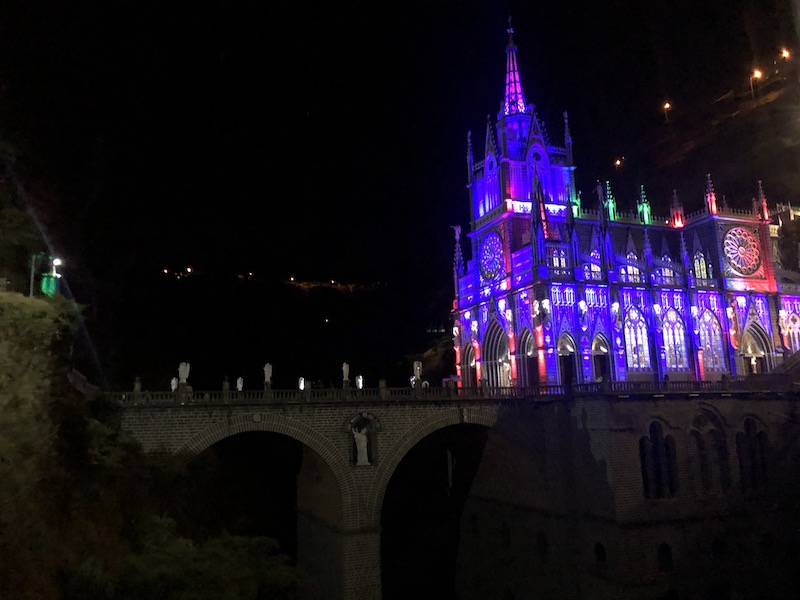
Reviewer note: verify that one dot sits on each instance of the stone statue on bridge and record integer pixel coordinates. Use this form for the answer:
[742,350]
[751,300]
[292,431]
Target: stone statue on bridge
[267,374]
[345,372]
[183,372]
[239,384]
[416,379]
[361,439]
[173,384]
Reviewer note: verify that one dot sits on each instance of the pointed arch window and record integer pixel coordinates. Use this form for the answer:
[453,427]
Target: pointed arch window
[793,333]
[700,266]
[667,271]
[591,270]
[557,259]
[492,198]
[658,461]
[495,357]
[752,448]
[527,360]
[675,340]
[711,342]
[711,453]
[630,273]
[468,368]
[637,348]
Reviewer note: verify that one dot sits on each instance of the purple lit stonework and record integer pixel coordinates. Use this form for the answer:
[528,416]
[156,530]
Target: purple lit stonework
[559,293]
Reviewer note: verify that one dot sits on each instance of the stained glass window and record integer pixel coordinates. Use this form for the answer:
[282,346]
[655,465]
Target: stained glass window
[666,271]
[636,346]
[711,342]
[674,340]
[591,271]
[630,273]
[700,270]
[793,333]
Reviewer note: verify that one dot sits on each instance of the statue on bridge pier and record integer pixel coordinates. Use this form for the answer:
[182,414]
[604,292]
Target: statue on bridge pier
[239,384]
[361,439]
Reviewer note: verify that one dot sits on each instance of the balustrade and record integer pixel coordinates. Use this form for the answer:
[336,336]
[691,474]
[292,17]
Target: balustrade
[766,382]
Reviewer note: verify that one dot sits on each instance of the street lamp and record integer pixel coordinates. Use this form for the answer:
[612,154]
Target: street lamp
[50,279]
[756,75]
[666,107]
[785,53]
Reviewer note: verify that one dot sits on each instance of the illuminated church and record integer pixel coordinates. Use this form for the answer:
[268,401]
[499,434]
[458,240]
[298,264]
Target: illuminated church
[557,292]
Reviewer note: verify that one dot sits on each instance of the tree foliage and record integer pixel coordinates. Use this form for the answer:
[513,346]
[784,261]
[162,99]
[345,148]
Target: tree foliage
[80,512]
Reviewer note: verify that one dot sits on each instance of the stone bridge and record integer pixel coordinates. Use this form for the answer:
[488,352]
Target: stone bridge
[340,490]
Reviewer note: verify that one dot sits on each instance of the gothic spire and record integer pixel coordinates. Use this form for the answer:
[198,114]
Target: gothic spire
[711,197]
[514,99]
[610,203]
[470,159]
[458,260]
[762,202]
[490,143]
[643,207]
[567,140]
[676,210]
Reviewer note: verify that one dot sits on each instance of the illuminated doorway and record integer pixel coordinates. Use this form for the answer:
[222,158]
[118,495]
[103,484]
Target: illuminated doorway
[754,351]
[566,360]
[601,363]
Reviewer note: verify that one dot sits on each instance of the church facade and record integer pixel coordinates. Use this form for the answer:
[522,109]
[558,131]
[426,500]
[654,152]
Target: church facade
[559,293]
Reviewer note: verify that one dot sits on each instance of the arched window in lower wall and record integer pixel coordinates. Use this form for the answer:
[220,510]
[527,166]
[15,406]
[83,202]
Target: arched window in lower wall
[600,553]
[542,546]
[665,564]
[752,448]
[659,464]
[711,453]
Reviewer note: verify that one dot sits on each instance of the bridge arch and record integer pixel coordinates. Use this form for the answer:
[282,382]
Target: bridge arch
[330,454]
[373,500]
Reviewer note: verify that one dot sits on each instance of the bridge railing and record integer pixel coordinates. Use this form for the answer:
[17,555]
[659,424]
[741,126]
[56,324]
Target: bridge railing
[769,382]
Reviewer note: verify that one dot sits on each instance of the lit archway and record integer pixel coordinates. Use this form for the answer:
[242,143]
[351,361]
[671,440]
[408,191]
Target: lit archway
[755,351]
[601,361]
[495,357]
[567,365]
[527,360]
[468,370]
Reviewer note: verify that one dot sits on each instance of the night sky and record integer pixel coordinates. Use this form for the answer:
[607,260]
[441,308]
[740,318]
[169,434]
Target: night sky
[326,140]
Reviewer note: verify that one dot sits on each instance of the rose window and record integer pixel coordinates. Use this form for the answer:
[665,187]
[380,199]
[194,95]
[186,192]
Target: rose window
[742,250]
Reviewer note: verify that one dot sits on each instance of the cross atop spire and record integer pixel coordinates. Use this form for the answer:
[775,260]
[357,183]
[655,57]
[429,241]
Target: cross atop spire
[514,99]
